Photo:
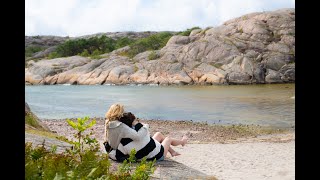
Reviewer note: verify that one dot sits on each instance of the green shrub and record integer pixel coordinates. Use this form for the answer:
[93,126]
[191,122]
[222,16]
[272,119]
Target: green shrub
[122,42]
[82,161]
[216,65]
[91,47]
[30,120]
[53,55]
[96,54]
[188,31]
[135,68]
[123,53]
[29,51]
[153,42]
[153,55]
[85,53]
[103,44]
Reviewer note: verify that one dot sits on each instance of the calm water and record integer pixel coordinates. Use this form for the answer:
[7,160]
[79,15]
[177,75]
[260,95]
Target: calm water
[272,105]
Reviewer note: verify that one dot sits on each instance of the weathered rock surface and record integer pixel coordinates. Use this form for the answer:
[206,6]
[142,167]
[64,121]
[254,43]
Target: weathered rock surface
[254,48]
[39,124]
[48,143]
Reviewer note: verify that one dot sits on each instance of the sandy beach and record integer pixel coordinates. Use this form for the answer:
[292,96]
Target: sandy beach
[244,152]
[255,160]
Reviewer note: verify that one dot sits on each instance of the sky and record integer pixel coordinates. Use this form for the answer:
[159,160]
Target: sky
[83,17]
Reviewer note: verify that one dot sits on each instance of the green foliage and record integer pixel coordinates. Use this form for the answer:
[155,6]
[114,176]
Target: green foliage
[92,47]
[136,68]
[29,51]
[142,171]
[216,65]
[85,53]
[30,119]
[153,42]
[122,42]
[188,31]
[74,47]
[96,54]
[77,163]
[81,125]
[153,55]
[53,55]
[123,53]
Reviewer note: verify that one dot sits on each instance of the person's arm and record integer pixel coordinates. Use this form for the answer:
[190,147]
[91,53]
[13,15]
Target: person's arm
[138,124]
[107,146]
[112,155]
[141,131]
[117,155]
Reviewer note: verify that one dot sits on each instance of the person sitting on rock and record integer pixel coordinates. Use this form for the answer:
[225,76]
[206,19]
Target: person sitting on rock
[155,147]
[116,130]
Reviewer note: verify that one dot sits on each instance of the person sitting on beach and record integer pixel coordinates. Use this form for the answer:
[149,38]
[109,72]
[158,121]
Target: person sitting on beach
[155,147]
[116,130]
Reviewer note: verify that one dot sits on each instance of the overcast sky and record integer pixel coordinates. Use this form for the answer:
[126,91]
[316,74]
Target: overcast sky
[83,17]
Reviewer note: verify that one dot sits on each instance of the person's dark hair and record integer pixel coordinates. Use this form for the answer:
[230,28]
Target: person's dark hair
[127,118]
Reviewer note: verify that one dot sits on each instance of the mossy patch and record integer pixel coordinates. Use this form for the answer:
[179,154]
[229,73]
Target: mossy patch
[32,121]
[42,133]
[153,55]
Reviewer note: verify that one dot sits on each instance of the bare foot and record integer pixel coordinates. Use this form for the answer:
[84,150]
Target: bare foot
[184,140]
[175,154]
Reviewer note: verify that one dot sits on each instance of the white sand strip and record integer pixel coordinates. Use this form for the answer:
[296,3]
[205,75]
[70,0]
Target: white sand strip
[258,160]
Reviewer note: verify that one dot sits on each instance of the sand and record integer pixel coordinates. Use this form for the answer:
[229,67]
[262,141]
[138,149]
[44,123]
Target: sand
[258,160]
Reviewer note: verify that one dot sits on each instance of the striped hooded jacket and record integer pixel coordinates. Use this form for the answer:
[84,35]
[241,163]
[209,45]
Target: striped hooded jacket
[145,146]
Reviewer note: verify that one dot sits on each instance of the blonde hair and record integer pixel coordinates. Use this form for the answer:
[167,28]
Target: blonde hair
[115,112]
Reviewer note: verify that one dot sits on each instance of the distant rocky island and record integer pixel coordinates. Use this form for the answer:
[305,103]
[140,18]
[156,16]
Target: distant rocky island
[256,48]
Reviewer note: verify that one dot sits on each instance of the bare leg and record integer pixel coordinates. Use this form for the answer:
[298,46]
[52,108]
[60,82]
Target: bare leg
[160,137]
[168,141]
[173,152]
[175,142]
[182,142]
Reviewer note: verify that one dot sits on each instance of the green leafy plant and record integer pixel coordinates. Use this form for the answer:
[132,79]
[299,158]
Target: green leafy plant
[81,125]
[141,171]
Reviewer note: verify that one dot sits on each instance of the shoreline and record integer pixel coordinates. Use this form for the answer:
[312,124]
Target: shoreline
[156,84]
[197,132]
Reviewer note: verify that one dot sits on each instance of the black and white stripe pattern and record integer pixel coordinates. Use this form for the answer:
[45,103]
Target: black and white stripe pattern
[147,146]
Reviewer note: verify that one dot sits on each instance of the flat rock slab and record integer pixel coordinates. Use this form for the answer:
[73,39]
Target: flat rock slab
[48,142]
[170,169]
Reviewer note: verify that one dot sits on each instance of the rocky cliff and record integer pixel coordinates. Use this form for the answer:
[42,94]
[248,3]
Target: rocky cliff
[254,48]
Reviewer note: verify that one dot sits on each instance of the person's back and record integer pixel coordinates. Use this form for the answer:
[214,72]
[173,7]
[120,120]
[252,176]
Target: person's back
[146,146]
[116,130]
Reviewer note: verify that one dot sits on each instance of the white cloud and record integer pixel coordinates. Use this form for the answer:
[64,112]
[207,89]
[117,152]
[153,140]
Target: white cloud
[80,17]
